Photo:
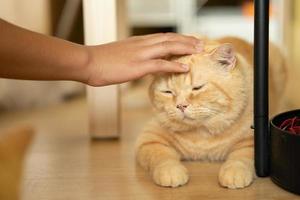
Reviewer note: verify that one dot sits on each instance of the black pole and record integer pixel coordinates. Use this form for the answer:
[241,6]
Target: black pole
[261,96]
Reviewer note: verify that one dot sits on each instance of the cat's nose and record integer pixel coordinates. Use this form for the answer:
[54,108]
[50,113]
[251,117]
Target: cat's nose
[182,107]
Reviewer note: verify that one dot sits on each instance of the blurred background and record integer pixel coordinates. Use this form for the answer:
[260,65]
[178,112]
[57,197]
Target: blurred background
[213,18]
[63,163]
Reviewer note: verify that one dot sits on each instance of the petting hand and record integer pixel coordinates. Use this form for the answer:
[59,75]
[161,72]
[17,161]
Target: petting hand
[137,56]
[32,56]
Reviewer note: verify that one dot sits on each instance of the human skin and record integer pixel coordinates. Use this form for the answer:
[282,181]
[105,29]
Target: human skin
[28,55]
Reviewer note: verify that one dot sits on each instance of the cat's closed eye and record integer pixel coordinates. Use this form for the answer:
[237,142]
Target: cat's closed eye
[167,91]
[198,87]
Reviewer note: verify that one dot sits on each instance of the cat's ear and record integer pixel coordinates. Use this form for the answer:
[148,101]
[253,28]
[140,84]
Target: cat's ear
[225,56]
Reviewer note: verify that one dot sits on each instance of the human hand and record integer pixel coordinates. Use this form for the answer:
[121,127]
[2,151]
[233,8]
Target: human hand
[137,56]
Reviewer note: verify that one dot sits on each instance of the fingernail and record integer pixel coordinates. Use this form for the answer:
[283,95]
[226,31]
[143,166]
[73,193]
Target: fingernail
[185,67]
[199,46]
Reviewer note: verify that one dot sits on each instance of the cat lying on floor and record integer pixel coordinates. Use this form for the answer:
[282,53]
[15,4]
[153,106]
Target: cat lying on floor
[206,114]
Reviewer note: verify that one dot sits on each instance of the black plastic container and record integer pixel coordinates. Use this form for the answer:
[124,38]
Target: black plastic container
[285,154]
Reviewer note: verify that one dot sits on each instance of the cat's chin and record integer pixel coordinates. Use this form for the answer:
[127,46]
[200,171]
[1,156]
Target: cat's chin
[179,125]
[188,119]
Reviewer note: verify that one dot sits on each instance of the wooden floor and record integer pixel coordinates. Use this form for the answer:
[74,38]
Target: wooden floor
[63,164]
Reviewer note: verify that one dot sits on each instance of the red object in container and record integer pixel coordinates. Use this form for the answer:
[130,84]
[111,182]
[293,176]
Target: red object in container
[292,125]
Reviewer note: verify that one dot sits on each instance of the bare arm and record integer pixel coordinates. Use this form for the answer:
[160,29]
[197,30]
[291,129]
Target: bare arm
[28,55]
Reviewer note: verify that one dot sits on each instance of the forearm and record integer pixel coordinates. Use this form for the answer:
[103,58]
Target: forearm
[29,55]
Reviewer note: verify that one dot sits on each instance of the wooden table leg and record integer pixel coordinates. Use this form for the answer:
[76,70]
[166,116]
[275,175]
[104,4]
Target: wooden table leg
[100,26]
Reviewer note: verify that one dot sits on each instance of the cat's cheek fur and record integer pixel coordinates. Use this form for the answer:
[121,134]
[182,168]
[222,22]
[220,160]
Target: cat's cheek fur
[161,102]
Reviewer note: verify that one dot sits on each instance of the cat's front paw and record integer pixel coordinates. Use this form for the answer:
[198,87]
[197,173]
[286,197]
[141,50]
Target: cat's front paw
[170,174]
[235,174]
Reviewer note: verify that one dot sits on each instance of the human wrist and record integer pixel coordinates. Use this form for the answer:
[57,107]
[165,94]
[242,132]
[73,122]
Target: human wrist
[82,62]
[93,67]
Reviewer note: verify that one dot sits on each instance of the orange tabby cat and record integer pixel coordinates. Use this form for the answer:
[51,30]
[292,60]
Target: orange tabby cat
[13,144]
[205,114]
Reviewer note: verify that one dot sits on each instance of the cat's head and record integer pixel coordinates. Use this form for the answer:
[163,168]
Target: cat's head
[211,94]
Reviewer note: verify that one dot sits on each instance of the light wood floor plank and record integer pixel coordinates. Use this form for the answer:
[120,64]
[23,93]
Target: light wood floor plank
[63,164]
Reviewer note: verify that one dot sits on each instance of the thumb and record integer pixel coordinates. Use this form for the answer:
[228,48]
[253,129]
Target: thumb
[160,65]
